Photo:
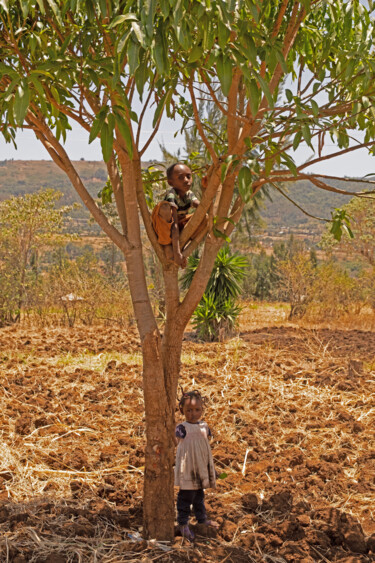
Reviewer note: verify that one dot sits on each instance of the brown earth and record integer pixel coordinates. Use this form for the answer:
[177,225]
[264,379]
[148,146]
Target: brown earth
[292,410]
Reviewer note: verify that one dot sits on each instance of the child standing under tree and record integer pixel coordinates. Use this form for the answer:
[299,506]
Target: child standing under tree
[194,470]
[171,215]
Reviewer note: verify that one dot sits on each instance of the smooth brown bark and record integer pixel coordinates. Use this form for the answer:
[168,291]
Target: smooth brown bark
[161,361]
[158,505]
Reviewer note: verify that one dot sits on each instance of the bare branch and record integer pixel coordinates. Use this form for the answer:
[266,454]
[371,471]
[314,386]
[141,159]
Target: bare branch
[296,204]
[141,117]
[62,160]
[200,127]
[338,153]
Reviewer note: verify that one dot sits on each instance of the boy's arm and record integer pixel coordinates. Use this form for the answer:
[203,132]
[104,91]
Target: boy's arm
[175,235]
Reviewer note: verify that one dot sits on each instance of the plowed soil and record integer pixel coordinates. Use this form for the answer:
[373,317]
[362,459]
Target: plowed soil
[292,411]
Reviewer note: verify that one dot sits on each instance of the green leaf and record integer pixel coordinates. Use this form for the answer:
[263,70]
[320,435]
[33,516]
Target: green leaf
[55,9]
[306,134]
[55,94]
[21,103]
[8,94]
[39,88]
[133,56]
[106,141]
[163,101]
[25,8]
[106,193]
[140,77]
[297,140]
[251,50]
[65,44]
[266,90]
[5,5]
[125,132]
[121,19]
[282,61]
[220,234]
[254,98]
[315,108]
[133,116]
[224,72]
[195,53]
[97,125]
[123,40]
[138,32]
[160,53]
[223,34]
[245,180]
[183,35]
[289,162]
[289,95]
[340,224]
[222,475]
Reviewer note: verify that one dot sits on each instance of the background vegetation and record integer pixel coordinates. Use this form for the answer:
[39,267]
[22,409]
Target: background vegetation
[58,270]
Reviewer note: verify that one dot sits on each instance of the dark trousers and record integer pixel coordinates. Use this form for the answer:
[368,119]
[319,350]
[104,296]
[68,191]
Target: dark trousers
[186,499]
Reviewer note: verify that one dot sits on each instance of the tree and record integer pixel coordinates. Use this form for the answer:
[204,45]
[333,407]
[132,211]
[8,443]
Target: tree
[89,61]
[28,225]
[361,213]
[296,273]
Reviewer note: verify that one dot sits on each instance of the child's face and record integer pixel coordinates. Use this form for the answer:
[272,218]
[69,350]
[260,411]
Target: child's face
[181,179]
[193,410]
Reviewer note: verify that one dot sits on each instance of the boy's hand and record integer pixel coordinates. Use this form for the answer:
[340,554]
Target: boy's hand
[204,182]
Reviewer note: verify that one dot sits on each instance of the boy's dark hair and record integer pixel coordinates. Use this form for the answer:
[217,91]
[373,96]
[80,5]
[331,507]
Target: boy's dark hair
[189,395]
[171,168]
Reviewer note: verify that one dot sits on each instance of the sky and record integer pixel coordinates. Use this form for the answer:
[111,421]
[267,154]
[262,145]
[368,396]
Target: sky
[355,164]
[77,147]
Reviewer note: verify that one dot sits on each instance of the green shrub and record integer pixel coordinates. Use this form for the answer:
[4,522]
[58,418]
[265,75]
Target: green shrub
[216,316]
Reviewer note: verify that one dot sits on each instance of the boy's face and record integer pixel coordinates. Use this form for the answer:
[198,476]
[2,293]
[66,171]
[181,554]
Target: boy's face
[181,179]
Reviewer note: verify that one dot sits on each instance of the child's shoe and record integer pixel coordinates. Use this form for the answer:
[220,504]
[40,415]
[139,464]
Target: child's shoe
[186,532]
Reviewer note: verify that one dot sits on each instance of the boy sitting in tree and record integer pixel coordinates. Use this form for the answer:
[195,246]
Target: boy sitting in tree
[171,215]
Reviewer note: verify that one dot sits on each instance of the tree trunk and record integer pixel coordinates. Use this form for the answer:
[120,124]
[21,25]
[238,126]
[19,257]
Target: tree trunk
[161,364]
[161,368]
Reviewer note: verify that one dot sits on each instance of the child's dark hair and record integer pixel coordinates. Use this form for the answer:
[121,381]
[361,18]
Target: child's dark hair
[188,396]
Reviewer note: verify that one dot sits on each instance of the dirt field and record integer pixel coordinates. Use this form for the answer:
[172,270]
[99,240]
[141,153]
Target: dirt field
[292,410]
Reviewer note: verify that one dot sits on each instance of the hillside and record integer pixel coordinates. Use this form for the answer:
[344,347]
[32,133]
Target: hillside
[282,217]
[18,177]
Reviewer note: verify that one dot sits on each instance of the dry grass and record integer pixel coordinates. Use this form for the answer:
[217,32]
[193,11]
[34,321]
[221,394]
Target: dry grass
[291,409]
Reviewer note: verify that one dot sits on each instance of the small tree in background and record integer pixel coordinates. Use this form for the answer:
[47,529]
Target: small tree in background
[29,225]
[361,212]
[216,315]
[334,292]
[296,279]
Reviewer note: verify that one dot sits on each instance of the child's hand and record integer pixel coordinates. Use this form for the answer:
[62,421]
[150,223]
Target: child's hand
[204,182]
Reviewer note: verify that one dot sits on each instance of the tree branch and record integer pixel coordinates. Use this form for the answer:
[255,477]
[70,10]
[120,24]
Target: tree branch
[296,204]
[199,125]
[62,160]
[338,153]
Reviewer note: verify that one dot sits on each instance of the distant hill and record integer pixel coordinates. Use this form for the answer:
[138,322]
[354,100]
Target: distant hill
[18,177]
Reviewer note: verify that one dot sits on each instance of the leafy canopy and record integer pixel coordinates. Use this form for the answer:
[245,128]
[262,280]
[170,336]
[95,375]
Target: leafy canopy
[280,72]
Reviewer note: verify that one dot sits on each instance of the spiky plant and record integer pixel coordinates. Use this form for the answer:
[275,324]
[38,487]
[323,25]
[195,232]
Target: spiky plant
[216,316]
